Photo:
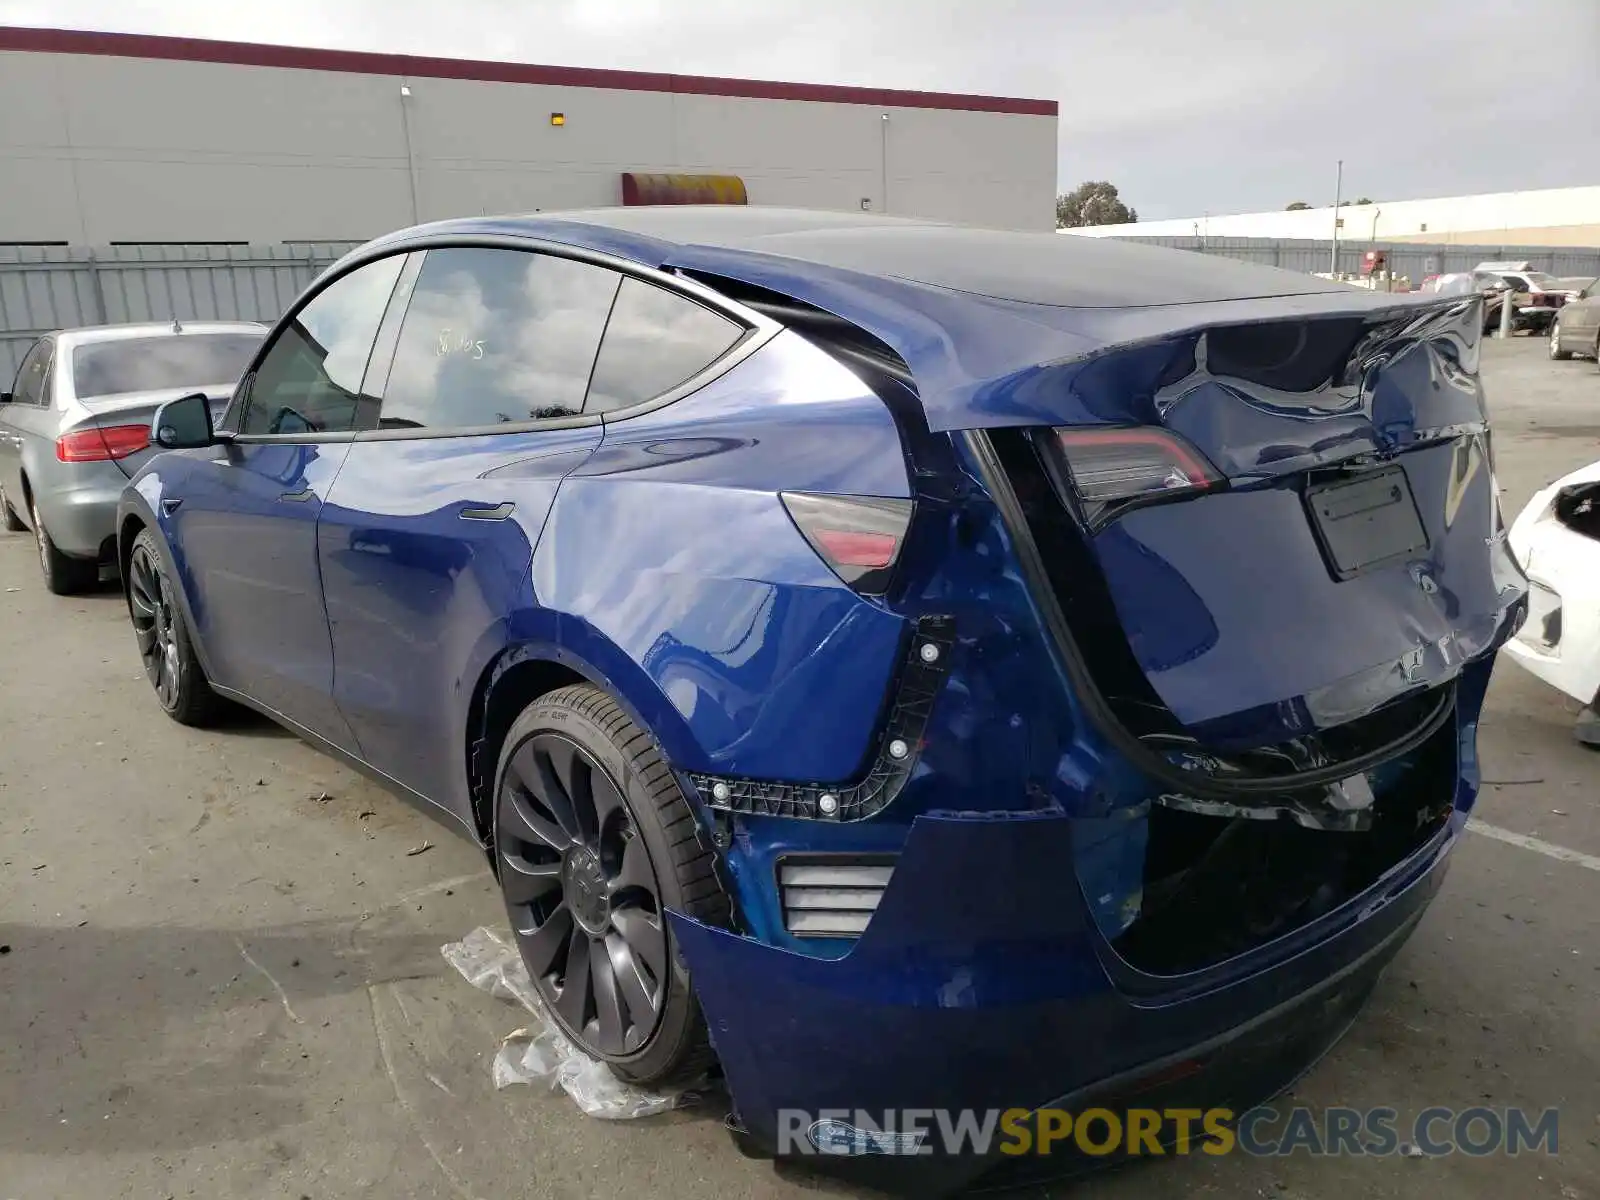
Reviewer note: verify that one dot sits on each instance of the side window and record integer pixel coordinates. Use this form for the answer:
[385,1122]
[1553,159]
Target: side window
[31,375]
[655,340]
[310,380]
[496,336]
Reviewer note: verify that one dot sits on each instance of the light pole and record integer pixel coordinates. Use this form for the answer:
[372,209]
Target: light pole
[1338,188]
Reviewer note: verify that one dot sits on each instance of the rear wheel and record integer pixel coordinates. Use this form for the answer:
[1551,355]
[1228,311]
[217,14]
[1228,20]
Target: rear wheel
[8,515]
[63,575]
[594,843]
[170,663]
[1556,352]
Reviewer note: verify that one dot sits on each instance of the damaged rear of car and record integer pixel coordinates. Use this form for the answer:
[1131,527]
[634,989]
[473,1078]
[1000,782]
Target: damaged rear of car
[1202,583]
[1556,539]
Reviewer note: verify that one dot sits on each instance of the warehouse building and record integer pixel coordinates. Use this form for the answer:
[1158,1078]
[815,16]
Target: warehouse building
[115,138]
[1546,217]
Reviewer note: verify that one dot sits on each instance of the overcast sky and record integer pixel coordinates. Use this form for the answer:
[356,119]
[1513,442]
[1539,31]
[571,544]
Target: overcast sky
[1189,106]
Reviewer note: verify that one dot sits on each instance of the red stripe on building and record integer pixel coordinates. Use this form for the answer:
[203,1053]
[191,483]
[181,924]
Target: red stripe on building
[252,54]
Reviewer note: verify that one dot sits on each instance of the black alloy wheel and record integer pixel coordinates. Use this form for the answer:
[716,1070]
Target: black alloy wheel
[170,663]
[583,895]
[594,844]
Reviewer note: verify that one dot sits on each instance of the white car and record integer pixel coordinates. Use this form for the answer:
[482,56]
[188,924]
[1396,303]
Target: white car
[1557,541]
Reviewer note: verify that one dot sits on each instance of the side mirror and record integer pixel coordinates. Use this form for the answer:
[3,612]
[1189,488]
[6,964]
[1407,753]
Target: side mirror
[184,424]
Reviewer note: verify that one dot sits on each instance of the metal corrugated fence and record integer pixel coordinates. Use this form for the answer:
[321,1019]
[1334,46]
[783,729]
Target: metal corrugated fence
[1416,260]
[58,287]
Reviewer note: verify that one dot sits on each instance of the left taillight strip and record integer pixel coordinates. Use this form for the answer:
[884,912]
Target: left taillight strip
[102,443]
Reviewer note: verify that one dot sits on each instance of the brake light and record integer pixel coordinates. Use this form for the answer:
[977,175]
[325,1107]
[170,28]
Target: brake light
[1113,468]
[102,444]
[858,536]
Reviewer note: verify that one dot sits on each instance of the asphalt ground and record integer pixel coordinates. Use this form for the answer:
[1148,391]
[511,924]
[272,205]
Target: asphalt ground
[220,971]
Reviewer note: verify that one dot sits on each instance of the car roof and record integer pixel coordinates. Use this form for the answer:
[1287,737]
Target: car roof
[84,335]
[1061,270]
[978,315]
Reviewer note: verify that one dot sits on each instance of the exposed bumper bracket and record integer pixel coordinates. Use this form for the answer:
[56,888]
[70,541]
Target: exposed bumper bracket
[899,746]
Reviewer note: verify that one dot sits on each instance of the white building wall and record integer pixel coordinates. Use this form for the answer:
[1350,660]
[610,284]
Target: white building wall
[96,148]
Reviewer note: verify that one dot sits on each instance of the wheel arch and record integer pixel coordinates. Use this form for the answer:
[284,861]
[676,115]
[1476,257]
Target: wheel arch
[129,526]
[525,670]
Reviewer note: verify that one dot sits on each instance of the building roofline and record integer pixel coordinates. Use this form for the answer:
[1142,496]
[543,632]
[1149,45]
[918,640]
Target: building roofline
[253,54]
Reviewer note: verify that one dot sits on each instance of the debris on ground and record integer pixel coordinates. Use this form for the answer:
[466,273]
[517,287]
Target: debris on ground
[540,1052]
[416,850]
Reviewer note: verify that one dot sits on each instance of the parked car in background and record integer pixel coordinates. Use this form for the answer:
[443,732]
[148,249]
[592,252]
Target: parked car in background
[1536,295]
[962,669]
[1576,330]
[1557,540]
[75,426]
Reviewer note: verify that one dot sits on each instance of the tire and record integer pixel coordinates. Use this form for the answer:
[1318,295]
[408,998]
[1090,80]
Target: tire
[63,575]
[589,825]
[162,635]
[8,515]
[1556,352]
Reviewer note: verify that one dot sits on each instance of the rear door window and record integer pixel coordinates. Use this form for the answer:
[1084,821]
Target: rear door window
[28,387]
[495,337]
[309,382]
[655,340]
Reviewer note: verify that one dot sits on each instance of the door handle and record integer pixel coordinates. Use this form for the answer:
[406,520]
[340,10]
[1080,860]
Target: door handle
[297,497]
[498,512]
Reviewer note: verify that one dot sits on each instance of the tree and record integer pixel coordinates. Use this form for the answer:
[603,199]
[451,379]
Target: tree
[1093,203]
[1362,200]
[1297,206]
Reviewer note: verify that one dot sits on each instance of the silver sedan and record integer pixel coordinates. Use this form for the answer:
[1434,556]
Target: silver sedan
[75,426]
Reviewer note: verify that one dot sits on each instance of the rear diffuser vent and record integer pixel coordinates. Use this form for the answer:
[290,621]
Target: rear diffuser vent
[831,895]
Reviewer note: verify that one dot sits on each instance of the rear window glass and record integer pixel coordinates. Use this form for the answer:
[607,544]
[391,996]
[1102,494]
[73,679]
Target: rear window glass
[654,341]
[187,360]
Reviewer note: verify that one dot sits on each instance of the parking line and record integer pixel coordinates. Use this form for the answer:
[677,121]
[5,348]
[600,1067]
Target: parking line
[1538,846]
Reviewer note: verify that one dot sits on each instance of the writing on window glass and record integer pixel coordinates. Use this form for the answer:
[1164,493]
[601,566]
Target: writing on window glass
[453,342]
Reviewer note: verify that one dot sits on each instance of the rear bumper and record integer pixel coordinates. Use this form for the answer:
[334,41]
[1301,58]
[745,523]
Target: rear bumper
[981,985]
[80,509]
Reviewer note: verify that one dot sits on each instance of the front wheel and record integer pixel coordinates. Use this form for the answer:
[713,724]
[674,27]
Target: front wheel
[1556,352]
[170,662]
[594,843]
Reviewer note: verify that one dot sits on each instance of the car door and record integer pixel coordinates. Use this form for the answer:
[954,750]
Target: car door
[245,517]
[427,537]
[25,421]
[1580,320]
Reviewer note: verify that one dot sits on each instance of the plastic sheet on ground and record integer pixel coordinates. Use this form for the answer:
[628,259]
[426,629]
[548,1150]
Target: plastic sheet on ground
[540,1053]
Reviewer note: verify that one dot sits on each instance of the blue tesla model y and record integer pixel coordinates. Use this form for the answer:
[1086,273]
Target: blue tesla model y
[904,666]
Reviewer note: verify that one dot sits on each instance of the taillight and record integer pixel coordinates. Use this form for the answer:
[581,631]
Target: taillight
[102,444]
[858,536]
[1115,468]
